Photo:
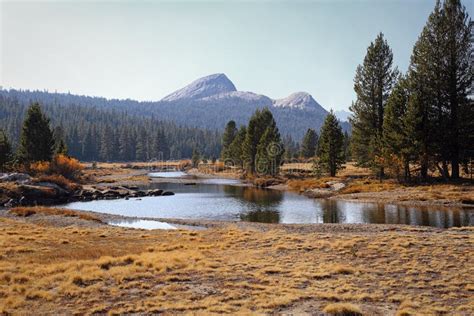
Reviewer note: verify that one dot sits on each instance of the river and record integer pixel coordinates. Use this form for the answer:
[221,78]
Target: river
[225,199]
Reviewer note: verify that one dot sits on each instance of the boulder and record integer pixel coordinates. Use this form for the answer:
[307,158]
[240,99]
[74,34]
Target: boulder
[156,192]
[167,193]
[59,190]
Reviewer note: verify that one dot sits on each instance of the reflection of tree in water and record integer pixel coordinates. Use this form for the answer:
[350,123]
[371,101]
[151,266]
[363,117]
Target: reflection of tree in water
[331,211]
[260,197]
[261,216]
[374,214]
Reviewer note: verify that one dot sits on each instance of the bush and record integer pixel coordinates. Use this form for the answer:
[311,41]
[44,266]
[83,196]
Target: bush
[67,167]
[39,167]
[62,165]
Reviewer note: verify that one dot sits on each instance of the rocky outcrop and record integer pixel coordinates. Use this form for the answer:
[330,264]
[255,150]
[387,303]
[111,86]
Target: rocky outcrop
[48,193]
[116,192]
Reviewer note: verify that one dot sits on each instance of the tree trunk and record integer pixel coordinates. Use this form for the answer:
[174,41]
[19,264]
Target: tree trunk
[424,167]
[407,171]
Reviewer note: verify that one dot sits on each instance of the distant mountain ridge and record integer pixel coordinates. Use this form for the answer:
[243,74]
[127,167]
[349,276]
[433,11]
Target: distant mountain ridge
[203,87]
[220,87]
[209,103]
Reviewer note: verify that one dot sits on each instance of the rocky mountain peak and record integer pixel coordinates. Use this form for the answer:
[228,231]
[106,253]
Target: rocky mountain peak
[298,100]
[203,87]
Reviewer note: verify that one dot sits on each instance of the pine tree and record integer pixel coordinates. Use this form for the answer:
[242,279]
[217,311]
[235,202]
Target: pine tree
[235,148]
[60,146]
[5,150]
[457,51]
[269,152]
[195,158]
[372,83]
[36,141]
[227,138]
[440,77]
[309,144]
[331,145]
[259,122]
[397,142]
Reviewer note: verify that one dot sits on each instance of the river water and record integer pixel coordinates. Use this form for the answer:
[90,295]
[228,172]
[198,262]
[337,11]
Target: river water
[223,199]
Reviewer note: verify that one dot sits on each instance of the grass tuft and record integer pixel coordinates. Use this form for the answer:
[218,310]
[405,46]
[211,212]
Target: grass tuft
[343,309]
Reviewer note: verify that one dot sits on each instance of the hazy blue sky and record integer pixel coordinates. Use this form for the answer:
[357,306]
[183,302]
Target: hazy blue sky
[146,50]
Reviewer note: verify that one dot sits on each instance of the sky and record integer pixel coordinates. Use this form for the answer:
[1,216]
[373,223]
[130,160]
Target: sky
[144,50]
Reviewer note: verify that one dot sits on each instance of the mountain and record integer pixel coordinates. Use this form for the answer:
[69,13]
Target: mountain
[206,103]
[204,87]
[300,101]
[213,100]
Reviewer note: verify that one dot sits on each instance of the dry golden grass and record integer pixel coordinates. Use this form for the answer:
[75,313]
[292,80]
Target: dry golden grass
[41,210]
[343,309]
[370,185]
[59,180]
[232,270]
[300,185]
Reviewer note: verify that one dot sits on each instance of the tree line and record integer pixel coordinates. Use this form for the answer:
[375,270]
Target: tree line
[94,134]
[422,120]
[259,149]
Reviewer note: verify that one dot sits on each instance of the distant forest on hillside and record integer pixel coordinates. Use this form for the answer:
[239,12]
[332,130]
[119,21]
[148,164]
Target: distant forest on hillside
[94,131]
[210,114]
[98,129]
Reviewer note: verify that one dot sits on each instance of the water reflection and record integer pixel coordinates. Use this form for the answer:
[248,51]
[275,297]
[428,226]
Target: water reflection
[261,197]
[261,216]
[216,201]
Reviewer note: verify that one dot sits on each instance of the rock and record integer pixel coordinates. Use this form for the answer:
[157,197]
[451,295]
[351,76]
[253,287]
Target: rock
[166,193]
[59,190]
[15,177]
[156,192]
[131,187]
[337,186]
[34,192]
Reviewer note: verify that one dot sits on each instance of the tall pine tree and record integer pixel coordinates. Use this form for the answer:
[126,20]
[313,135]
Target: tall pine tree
[228,137]
[372,83]
[309,144]
[331,145]
[5,150]
[36,140]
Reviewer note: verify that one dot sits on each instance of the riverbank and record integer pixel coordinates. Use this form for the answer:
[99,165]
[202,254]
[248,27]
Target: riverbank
[355,185]
[73,265]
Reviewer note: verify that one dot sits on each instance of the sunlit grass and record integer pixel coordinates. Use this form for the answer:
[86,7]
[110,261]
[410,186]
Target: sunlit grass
[232,270]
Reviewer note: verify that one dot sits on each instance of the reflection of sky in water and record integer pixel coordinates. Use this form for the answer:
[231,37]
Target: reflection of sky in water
[167,174]
[226,202]
[140,223]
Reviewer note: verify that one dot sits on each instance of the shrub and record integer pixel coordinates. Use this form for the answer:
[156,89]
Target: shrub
[67,167]
[40,167]
[62,165]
